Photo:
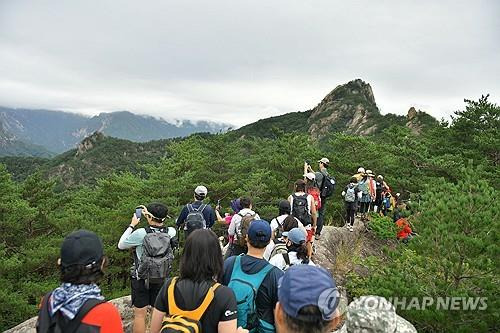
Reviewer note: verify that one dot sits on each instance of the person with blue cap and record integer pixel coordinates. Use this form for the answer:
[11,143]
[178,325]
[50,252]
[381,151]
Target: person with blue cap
[311,309]
[250,272]
[296,251]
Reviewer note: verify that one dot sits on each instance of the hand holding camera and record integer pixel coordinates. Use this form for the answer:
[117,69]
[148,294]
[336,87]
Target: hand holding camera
[136,218]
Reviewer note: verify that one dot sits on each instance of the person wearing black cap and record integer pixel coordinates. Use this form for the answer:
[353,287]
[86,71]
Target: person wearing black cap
[311,309]
[77,305]
[246,273]
[143,293]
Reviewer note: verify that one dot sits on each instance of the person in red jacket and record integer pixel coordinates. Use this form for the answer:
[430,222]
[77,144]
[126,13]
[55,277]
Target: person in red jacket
[77,305]
[404,230]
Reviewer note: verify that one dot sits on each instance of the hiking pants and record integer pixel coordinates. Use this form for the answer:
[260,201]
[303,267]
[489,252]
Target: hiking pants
[350,208]
[364,207]
[321,216]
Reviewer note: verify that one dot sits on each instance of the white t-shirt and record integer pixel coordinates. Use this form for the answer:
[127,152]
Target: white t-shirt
[279,261]
[235,221]
[310,201]
[277,221]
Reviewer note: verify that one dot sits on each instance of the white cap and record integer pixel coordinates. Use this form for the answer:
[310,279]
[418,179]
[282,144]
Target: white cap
[310,176]
[324,160]
[201,190]
[361,170]
[370,173]
[381,177]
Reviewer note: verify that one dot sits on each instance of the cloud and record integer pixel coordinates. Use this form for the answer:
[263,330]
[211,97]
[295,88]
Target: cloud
[240,61]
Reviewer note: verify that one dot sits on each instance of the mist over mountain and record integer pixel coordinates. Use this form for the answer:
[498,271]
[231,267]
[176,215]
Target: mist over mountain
[58,131]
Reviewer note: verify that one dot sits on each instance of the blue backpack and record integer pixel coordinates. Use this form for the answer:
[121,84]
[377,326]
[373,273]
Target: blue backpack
[245,287]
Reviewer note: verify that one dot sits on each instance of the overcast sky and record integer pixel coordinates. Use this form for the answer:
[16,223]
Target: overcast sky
[238,61]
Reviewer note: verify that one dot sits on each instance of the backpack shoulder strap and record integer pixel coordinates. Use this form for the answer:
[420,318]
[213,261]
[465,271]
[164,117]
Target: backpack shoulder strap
[148,230]
[189,208]
[44,321]
[201,208]
[87,306]
[195,314]
[287,258]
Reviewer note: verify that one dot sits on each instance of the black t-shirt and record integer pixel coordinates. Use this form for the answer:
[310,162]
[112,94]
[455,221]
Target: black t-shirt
[267,295]
[189,295]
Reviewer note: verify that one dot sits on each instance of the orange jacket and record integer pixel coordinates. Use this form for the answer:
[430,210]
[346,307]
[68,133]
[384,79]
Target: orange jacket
[404,229]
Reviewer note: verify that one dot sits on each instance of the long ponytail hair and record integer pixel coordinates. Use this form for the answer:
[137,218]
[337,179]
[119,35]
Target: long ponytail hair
[301,250]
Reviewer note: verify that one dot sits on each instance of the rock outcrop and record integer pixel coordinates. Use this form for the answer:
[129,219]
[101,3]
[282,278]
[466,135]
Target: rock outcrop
[349,108]
[89,143]
[418,121]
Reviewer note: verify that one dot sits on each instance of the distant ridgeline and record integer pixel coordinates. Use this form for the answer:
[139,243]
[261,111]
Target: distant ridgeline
[44,133]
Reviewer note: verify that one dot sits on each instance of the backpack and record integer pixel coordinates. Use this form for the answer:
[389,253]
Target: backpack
[178,320]
[195,219]
[156,261]
[300,208]
[279,248]
[245,287]
[314,191]
[242,227]
[58,323]
[364,187]
[278,232]
[350,194]
[327,186]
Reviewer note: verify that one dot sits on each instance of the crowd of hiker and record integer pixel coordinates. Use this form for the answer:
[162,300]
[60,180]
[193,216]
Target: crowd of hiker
[263,280]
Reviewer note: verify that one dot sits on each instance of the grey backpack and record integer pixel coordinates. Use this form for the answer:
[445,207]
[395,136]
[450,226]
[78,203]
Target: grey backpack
[156,261]
[350,194]
[195,219]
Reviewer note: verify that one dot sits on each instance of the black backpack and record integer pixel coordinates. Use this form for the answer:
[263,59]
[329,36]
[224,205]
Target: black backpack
[300,209]
[58,323]
[195,219]
[327,186]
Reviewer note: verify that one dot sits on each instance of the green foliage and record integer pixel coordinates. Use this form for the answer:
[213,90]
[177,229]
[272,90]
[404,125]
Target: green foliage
[382,226]
[456,254]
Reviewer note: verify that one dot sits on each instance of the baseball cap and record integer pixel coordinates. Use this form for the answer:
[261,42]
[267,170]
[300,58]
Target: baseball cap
[324,160]
[297,236]
[374,314]
[310,176]
[284,205]
[323,293]
[259,231]
[201,190]
[81,247]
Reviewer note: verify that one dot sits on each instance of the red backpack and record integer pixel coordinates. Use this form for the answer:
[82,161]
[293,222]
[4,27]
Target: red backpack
[314,191]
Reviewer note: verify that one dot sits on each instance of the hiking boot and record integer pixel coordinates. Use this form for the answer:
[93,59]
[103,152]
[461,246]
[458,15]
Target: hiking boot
[317,237]
[351,229]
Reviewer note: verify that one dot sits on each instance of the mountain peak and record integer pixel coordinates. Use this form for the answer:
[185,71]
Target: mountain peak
[89,142]
[346,108]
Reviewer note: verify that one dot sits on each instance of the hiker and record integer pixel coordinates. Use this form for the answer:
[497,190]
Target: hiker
[284,222]
[365,200]
[386,203]
[226,220]
[284,210]
[373,314]
[310,179]
[238,246]
[326,186]
[360,174]
[372,185]
[196,295]
[77,305]
[296,251]
[310,308]
[351,195]
[304,210]
[379,190]
[404,230]
[196,215]
[153,256]
[248,273]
